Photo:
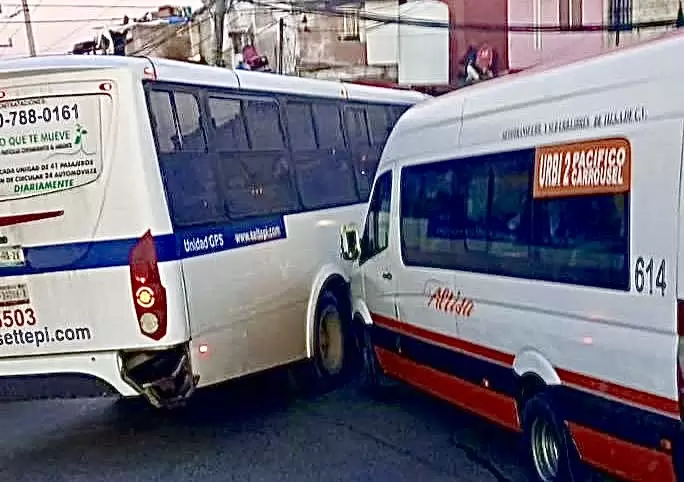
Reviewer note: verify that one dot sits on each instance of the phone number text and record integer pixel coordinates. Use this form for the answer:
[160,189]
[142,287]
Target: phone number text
[30,116]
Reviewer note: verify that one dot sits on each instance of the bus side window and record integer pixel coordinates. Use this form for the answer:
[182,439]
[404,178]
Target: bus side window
[365,163]
[164,120]
[229,124]
[379,124]
[325,177]
[260,180]
[300,127]
[263,125]
[186,165]
[189,126]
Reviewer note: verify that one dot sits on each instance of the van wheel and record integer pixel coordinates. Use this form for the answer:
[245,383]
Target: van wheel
[373,381]
[551,452]
[332,347]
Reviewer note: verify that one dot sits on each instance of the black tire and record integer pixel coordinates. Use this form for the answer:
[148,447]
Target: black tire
[373,380]
[540,421]
[328,370]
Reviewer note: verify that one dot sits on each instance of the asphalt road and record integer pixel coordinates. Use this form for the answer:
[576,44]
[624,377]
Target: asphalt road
[255,430]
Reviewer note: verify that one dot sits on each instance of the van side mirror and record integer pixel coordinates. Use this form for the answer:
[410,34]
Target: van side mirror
[350,243]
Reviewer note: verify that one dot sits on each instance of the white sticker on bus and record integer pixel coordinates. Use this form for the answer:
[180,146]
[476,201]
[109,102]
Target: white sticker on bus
[49,144]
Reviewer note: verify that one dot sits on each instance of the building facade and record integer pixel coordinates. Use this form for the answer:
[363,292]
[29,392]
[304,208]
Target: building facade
[527,49]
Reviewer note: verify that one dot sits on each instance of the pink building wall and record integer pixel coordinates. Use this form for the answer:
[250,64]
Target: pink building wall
[524,50]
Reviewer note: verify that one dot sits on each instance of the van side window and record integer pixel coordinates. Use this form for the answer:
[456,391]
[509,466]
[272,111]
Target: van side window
[375,238]
[479,215]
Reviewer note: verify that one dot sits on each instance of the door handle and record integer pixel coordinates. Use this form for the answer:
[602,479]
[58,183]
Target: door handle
[387,275]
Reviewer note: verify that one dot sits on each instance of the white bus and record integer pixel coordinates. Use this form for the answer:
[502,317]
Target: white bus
[522,257]
[167,225]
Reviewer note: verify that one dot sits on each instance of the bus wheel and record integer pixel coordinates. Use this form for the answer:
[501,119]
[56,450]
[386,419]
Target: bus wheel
[332,347]
[551,452]
[374,382]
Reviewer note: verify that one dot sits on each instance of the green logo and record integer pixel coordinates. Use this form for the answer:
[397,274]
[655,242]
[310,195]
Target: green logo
[80,134]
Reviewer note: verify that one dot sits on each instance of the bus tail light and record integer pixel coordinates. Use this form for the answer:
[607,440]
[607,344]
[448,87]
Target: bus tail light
[680,356]
[149,295]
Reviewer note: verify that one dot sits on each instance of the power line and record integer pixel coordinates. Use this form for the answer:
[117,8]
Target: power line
[80,5]
[64,20]
[487,27]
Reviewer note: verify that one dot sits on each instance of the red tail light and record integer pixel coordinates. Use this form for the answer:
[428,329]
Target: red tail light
[680,356]
[149,295]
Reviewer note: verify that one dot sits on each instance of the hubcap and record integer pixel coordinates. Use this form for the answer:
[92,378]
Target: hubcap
[330,341]
[545,451]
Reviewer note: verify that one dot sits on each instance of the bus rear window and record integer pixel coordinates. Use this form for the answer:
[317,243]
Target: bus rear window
[49,144]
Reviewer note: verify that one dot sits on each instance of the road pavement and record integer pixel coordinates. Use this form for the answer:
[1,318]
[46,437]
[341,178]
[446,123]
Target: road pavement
[254,430]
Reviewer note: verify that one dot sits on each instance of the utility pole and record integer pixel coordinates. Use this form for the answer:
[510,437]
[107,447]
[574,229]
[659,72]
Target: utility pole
[281,42]
[29,28]
[219,20]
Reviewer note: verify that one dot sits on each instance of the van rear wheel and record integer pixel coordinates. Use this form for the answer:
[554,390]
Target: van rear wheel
[551,452]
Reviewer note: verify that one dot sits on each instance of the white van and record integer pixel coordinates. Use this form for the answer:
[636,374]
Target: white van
[166,226]
[522,258]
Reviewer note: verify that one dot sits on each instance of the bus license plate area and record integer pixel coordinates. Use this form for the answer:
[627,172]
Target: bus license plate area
[11,256]
[14,295]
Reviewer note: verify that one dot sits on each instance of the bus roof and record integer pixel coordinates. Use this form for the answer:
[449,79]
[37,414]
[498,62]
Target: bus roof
[658,58]
[191,73]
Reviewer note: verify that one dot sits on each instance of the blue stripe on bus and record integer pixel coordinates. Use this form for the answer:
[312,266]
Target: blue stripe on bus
[184,243]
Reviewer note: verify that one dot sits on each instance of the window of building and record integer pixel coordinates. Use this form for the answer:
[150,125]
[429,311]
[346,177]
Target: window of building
[537,13]
[375,238]
[479,215]
[570,13]
[350,25]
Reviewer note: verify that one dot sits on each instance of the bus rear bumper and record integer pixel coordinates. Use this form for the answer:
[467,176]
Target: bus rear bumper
[63,375]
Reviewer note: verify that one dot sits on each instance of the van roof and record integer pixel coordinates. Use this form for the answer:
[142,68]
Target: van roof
[187,72]
[585,73]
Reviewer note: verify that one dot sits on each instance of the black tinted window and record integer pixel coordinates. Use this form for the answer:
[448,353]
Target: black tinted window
[357,128]
[328,125]
[300,126]
[189,122]
[379,123]
[177,121]
[227,118]
[479,215]
[375,237]
[263,124]
[186,166]
[163,117]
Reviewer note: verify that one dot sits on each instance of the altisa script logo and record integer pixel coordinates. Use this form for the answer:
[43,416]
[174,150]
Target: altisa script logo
[448,301]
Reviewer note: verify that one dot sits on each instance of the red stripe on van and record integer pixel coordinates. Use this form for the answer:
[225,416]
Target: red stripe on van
[621,458]
[626,394]
[14,219]
[498,408]
[445,340]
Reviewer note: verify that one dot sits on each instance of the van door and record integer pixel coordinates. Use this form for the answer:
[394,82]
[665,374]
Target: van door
[374,263]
